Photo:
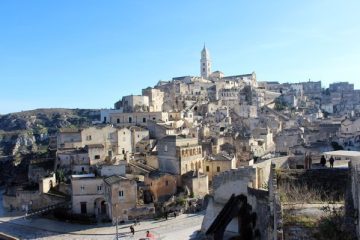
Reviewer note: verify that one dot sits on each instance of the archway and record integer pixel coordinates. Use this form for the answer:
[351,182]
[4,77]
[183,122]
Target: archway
[100,208]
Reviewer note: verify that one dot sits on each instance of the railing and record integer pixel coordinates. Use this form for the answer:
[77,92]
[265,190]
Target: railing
[34,212]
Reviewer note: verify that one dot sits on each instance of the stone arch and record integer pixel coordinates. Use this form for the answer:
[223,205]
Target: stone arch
[100,208]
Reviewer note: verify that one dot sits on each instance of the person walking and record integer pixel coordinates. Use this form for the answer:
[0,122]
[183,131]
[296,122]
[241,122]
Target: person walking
[331,161]
[132,230]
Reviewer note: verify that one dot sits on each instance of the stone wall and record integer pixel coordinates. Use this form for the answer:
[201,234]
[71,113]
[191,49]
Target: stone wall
[331,184]
[47,183]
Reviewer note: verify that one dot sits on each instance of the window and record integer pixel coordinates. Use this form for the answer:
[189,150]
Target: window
[218,169]
[121,194]
[82,188]
[99,188]
[165,148]
[203,69]
[118,120]
[204,64]
[97,157]
[88,137]
[130,119]
[167,183]
[207,168]
[144,120]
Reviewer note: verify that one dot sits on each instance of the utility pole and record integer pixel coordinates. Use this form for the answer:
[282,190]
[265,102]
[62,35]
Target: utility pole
[117,231]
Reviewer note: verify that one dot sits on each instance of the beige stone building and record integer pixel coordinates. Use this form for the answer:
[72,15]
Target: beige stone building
[121,197]
[139,138]
[197,183]
[81,148]
[161,185]
[156,98]
[133,103]
[178,155]
[137,118]
[88,195]
[217,163]
[75,160]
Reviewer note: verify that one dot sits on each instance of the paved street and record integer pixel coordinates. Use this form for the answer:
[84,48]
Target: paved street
[181,227]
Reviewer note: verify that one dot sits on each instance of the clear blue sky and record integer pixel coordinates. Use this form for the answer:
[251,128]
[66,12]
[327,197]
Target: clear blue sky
[87,54]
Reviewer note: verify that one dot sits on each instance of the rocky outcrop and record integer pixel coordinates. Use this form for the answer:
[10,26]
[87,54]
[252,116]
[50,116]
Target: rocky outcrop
[26,132]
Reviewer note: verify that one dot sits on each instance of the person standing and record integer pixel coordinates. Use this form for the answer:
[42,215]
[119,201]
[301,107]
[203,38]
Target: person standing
[150,235]
[132,230]
[331,161]
[323,161]
[306,162]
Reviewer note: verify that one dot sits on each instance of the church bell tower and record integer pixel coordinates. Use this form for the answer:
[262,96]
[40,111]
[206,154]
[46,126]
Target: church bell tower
[205,63]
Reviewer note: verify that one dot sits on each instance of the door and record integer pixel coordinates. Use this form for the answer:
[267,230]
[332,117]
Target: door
[103,208]
[83,208]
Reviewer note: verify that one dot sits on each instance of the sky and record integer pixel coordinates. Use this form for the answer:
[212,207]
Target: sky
[88,54]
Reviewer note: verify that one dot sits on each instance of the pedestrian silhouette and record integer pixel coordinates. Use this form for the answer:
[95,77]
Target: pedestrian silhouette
[132,230]
[331,161]
[323,161]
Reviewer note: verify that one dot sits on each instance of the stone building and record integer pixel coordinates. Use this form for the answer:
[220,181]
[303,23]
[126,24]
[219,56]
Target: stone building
[121,196]
[178,155]
[133,103]
[88,195]
[156,98]
[75,160]
[139,137]
[93,145]
[196,182]
[161,185]
[137,118]
[217,163]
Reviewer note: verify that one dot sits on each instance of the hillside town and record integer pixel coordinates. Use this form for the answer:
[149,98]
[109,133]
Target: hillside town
[231,148]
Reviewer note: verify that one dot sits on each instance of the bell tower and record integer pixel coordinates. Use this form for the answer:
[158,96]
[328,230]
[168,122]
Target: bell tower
[205,63]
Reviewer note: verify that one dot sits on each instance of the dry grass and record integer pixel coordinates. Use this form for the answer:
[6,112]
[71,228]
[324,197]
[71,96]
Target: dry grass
[304,194]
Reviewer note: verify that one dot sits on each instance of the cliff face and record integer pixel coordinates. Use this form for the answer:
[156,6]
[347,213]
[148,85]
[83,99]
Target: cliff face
[29,131]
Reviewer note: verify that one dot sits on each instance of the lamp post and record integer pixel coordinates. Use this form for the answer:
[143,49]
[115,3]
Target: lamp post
[117,230]
[116,226]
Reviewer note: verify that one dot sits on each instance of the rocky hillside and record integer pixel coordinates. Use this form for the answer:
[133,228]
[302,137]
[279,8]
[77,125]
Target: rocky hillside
[29,131]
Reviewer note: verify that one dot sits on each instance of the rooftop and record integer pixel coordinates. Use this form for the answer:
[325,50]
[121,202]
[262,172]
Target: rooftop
[114,179]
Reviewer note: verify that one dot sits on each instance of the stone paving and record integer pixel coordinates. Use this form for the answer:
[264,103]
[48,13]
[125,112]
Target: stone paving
[182,227]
